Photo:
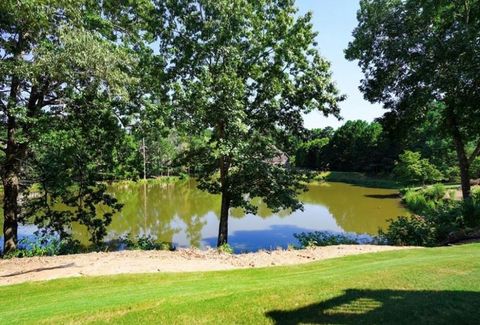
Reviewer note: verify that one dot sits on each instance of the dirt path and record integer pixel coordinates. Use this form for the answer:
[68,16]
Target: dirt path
[184,260]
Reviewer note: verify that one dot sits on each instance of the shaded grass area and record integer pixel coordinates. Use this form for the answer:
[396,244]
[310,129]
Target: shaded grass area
[359,306]
[428,286]
[361,179]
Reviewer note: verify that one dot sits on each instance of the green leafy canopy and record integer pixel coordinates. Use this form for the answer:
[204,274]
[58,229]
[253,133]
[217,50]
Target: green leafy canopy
[248,70]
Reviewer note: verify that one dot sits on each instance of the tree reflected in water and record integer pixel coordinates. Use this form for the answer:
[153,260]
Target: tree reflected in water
[182,214]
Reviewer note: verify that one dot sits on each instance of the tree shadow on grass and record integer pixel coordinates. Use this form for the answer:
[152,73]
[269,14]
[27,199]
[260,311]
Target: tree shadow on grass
[388,307]
[63,266]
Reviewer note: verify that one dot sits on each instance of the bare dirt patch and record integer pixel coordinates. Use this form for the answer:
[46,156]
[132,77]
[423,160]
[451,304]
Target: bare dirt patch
[20,270]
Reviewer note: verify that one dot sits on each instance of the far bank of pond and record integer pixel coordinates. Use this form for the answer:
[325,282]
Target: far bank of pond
[182,214]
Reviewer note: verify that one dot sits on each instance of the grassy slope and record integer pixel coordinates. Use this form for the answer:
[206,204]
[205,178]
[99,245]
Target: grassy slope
[440,285]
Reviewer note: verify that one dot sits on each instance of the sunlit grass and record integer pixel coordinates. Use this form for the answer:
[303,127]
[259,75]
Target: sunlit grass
[434,286]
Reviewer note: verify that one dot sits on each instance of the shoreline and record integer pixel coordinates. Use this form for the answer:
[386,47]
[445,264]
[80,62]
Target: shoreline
[20,270]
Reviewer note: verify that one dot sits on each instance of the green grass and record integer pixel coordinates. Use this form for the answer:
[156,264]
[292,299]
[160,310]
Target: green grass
[360,179]
[423,286]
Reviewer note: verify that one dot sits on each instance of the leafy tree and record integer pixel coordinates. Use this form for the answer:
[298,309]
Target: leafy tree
[428,137]
[412,169]
[248,70]
[57,56]
[354,147]
[309,154]
[162,147]
[310,151]
[67,161]
[325,133]
[164,151]
[126,159]
[417,55]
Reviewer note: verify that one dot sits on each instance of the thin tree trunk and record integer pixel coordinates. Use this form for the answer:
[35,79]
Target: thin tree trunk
[225,207]
[144,160]
[223,227]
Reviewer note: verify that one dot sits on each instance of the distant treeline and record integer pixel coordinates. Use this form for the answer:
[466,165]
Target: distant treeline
[386,146]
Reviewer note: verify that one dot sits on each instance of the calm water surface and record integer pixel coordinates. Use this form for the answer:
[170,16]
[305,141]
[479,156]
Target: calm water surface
[186,216]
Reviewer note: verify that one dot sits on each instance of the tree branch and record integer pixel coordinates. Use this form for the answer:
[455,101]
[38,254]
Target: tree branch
[3,105]
[475,154]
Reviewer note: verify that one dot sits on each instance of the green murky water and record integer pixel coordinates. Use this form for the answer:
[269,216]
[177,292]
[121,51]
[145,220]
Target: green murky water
[186,216]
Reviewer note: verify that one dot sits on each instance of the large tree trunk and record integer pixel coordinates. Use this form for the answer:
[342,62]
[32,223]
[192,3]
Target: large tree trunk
[464,174]
[11,170]
[463,162]
[16,152]
[10,177]
[10,209]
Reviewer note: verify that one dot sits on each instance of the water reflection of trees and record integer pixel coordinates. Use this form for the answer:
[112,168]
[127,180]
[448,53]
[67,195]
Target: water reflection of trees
[156,209]
[262,211]
[141,216]
[165,210]
[355,208]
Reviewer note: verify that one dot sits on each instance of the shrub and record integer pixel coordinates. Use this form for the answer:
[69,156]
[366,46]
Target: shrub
[475,168]
[452,174]
[438,220]
[50,245]
[406,231]
[45,245]
[435,192]
[476,194]
[225,248]
[425,201]
[144,243]
[413,169]
[415,201]
[327,238]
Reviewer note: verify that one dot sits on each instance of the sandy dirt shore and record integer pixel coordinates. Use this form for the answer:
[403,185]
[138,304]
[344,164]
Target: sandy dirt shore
[20,270]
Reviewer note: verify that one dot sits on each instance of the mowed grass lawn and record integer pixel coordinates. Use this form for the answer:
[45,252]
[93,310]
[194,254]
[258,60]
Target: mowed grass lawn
[418,286]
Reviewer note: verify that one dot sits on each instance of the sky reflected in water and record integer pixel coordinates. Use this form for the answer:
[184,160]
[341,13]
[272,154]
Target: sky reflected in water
[186,216]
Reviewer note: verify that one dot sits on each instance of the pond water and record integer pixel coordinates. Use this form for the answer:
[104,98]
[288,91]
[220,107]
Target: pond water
[182,214]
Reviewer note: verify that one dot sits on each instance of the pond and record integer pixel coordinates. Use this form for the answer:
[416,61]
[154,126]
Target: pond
[182,214]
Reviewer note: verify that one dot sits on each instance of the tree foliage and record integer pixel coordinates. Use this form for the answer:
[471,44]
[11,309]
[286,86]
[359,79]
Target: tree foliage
[355,146]
[413,169]
[60,59]
[419,54]
[247,70]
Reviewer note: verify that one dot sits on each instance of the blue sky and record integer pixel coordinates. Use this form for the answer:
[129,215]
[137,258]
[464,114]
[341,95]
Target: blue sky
[335,20]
